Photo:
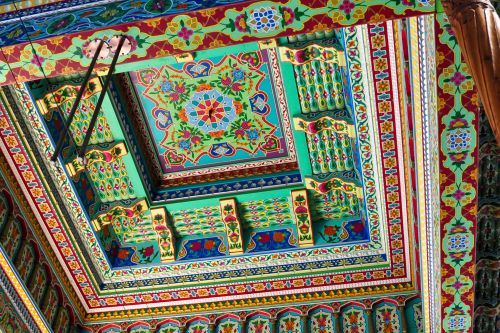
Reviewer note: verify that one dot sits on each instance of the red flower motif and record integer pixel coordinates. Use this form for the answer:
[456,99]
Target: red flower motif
[245,125]
[357,227]
[196,246]
[174,97]
[229,218]
[288,15]
[458,195]
[460,122]
[226,80]
[240,23]
[122,254]
[180,88]
[236,87]
[278,237]
[195,139]
[148,251]
[239,133]
[264,238]
[312,128]
[209,245]
[301,210]
[330,230]
[186,134]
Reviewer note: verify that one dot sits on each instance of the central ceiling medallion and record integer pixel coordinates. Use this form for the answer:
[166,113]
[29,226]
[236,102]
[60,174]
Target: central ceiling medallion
[210,111]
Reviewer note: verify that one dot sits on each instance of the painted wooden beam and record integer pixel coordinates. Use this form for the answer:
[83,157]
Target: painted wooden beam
[200,30]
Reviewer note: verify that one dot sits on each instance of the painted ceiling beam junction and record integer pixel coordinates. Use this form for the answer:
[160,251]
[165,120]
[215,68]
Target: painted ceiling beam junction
[233,226]
[302,212]
[76,103]
[81,152]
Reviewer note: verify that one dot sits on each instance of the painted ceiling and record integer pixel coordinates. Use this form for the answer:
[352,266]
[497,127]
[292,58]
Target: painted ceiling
[237,176]
[214,169]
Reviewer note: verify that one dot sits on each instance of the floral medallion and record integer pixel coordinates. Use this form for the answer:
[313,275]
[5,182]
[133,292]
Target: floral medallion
[211,111]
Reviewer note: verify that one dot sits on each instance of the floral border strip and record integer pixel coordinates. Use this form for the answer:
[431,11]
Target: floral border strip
[386,99]
[209,28]
[10,282]
[360,103]
[458,114]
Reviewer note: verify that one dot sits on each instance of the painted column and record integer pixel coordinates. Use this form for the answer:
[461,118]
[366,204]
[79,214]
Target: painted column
[404,324]
[371,328]
[458,127]
[305,321]
[477,29]
[336,316]
[274,327]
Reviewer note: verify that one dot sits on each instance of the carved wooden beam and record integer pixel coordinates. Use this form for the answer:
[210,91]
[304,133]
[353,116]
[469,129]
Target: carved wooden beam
[477,29]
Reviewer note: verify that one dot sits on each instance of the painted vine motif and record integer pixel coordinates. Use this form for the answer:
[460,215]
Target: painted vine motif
[459,114]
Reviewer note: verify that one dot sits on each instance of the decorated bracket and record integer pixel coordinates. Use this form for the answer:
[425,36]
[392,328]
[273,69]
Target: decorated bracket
[311,53]
[92,156]
[233,225]
[267,44]
[302,217]
[116,214]
[335,181]
[66,93]
[165,235]
[327,120]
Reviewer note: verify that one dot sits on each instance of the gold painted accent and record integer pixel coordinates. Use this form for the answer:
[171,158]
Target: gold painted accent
[339,126]
[232,238]
[308,234]
[232,305]
[184,57]
[42,107]
[359,192]
[101,71]
[419,170]
[166,240]
[22,293]
[76,165]
[104,219]
[267,44]
[288,55]
[351,131]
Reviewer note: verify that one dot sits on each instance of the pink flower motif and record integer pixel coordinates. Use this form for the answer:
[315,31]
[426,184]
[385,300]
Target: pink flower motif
[449,30]
[245,125]
[457,78]
[236,87]
[195,139]
[226,80]
[37,60]
[458,195]
[312,128]
[346,6]
[186,134]
[174,97]
[185,33]
[239,133]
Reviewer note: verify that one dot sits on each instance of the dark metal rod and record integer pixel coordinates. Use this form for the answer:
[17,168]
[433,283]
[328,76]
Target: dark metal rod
[76,104]
[81,153]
